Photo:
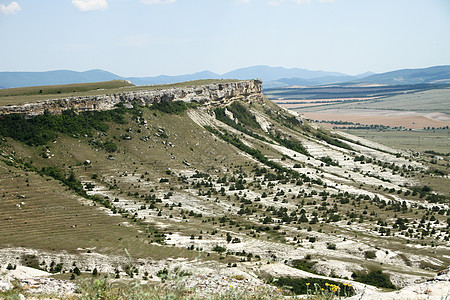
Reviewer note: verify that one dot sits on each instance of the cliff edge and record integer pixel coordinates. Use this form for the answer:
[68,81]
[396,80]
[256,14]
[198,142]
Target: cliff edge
[214,94]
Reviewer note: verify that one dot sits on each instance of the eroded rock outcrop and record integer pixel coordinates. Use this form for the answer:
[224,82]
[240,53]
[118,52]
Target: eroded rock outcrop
[218,93]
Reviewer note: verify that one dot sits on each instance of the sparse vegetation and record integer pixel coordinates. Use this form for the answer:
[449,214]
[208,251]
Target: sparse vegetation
[375,278]
[315,286]
[209,193]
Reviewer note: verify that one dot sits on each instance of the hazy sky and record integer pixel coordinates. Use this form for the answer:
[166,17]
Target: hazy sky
[153,37]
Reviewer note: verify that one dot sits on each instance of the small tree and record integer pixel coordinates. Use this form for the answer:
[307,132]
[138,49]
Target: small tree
[229,238]
[76,271]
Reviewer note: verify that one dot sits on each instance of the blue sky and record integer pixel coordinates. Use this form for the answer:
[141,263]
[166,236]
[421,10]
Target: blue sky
[153,37]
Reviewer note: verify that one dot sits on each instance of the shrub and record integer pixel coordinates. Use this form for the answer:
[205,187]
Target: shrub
[331,246]
[171,107]
[76,271]
[370,254]
[43,128]
[329,161]
[221,116]
[376,278]
[304,264]
[244,116]
[164,273]
[110,146]
[332,140]
[303,286]
[219,249]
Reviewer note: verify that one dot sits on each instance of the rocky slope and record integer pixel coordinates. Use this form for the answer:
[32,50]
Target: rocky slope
[239,193]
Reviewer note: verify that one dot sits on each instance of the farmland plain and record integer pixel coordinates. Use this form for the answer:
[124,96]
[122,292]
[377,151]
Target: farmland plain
[415,119]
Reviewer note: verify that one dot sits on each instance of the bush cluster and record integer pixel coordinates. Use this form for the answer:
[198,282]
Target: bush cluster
[43,128]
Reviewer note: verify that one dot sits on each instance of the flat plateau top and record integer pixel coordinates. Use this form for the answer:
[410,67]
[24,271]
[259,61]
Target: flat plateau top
[18,96]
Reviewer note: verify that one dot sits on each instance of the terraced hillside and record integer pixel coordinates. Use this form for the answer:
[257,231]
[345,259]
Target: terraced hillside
[245,188]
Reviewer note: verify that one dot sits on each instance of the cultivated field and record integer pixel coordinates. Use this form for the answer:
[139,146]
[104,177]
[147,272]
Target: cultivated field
[410,109]
[421,141]
[391,118]
[421,111]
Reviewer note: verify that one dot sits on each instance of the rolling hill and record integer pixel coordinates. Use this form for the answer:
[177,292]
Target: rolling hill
[266,73]
[437,75]
[25,79]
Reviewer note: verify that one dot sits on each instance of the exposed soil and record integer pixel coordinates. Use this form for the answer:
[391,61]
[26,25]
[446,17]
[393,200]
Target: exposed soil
[411,120]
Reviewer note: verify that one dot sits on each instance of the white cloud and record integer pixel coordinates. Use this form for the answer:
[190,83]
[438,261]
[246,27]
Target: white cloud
[157,1]
[243,1]
[10,9]
[87,5]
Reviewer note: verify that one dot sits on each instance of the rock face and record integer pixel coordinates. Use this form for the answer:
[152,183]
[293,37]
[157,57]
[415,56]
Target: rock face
[212,93]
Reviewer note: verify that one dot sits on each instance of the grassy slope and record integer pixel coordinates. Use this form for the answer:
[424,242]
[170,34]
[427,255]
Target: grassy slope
[46,220]
[135,156]
[145,162]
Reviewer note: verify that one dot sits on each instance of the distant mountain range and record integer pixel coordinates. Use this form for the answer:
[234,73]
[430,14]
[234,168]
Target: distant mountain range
[438,74]
[272,77]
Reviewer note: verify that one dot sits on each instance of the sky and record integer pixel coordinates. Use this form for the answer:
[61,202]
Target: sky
[173,37]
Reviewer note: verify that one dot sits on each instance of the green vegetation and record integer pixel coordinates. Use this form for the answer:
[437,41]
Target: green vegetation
[249,120]
[321,135]
[69,180]
[436,153]
[94,289]
[172,107]
[73,183]
[329,161]
[109,146]
[44,128]
[235,141]
[370,254]
[290,143]
[304,265]
[244,116]
[314,286]
[375,278]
